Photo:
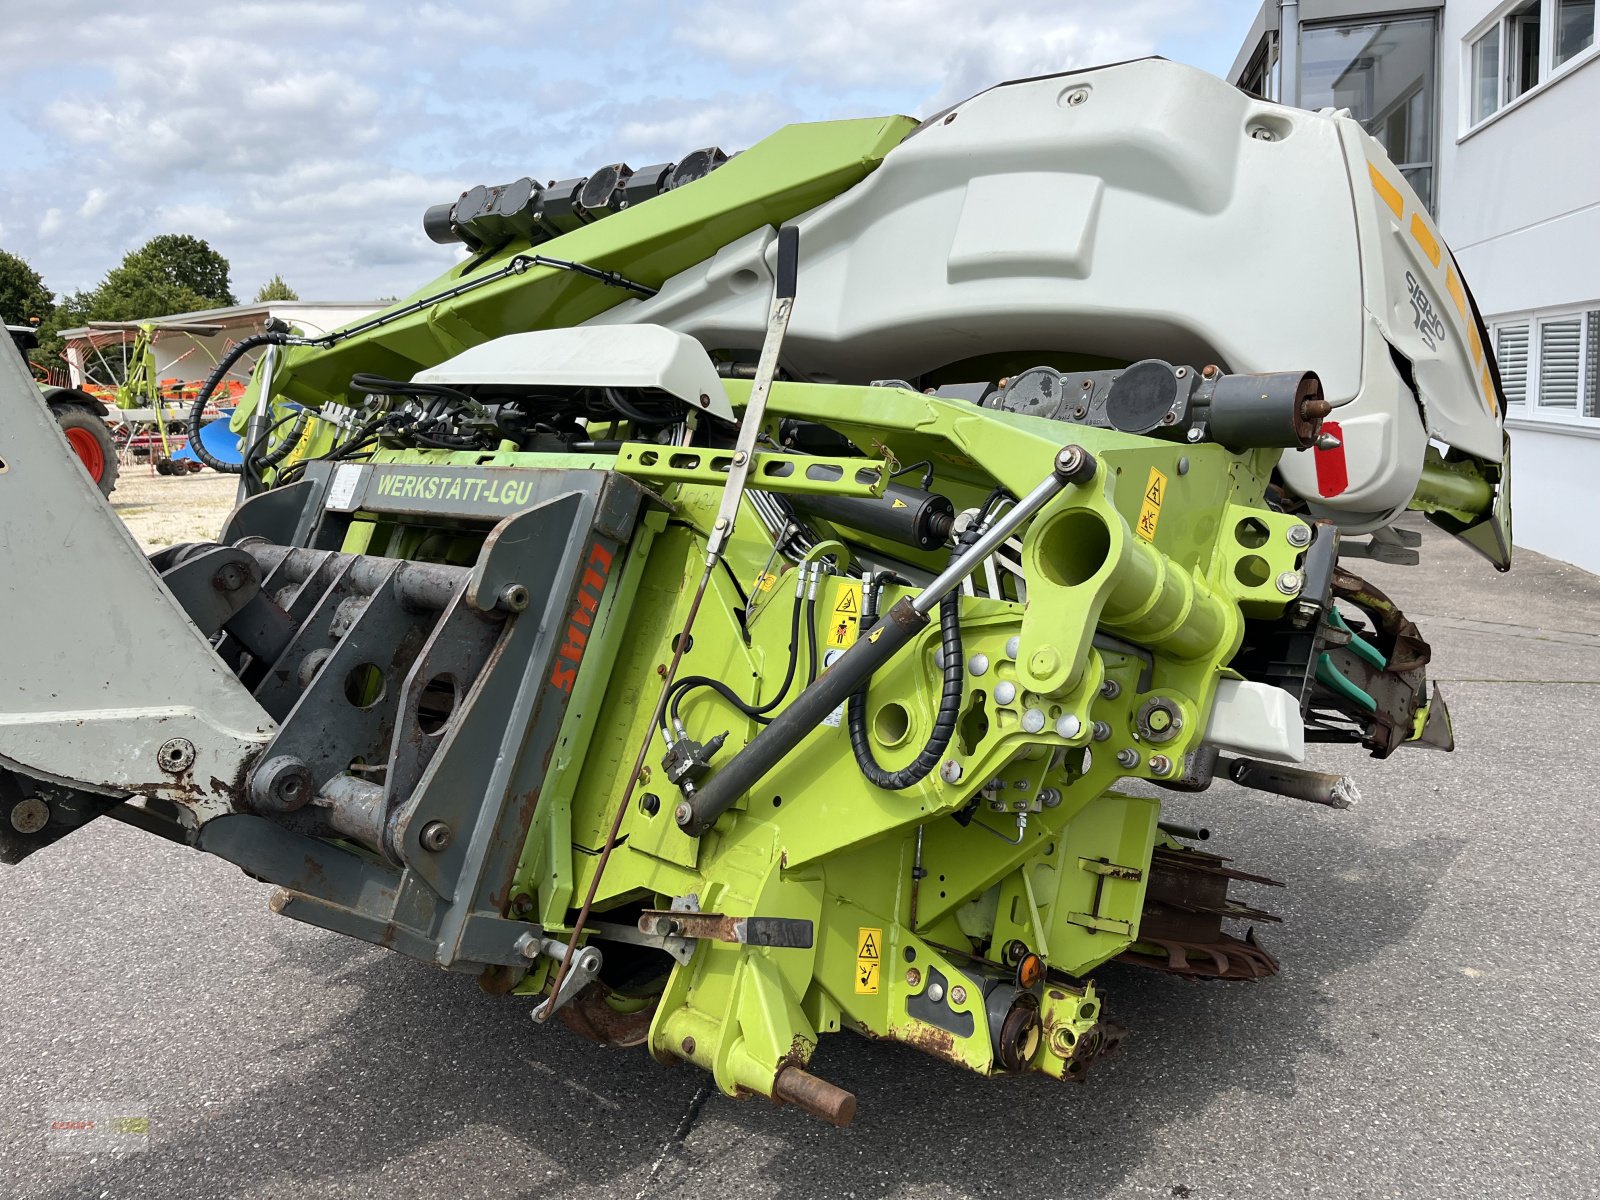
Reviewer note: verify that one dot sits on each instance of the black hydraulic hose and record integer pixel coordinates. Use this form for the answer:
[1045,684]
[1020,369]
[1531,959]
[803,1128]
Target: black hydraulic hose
[944,725]
[754,712]
[237,351]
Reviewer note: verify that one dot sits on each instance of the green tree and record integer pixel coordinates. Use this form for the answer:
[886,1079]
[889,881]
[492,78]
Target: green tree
[173,273]
[180,260]
[23,295]
[276,289]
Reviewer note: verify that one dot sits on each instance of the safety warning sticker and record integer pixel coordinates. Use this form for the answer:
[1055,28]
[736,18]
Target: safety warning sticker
[1155,491]
[845,622]
[869,943]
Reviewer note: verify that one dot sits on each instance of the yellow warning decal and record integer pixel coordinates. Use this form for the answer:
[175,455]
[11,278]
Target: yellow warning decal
[869,947]
[1424,238]
[1390,193]
[765,580]
[845,622]
[1155,491]
[896,502]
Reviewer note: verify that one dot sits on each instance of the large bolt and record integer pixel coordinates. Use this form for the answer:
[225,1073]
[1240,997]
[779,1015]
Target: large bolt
[1033,720]
[281,784]
[1111,689]
[951,771]
[1005,692]
[1013,645]
[1289,582]
[1068,726]
[175,755]
[1128,757]
[1102,731]
[978,664]
[1299,534]
[958,994]
[30,815]
[435,836]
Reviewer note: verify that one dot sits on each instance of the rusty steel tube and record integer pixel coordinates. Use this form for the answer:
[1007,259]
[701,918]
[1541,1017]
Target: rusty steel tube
[797,1086]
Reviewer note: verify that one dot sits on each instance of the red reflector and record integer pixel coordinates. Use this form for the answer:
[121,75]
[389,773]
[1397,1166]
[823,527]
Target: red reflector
[1332,478]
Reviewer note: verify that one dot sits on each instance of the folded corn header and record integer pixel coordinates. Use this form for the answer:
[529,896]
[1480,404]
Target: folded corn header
[732,604]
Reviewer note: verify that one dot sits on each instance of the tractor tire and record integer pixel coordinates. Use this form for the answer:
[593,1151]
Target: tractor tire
[90,439]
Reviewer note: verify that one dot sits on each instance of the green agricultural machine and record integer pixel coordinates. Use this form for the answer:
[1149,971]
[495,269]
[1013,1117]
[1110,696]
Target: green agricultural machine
[758,596]
[80,416]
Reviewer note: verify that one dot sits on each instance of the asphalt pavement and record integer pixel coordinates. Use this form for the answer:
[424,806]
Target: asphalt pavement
[1435,1030]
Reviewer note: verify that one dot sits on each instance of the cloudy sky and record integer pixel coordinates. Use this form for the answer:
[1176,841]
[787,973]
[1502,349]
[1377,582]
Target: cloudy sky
[306,138]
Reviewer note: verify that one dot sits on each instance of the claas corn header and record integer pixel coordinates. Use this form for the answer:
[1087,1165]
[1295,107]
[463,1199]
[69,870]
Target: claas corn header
[759,596]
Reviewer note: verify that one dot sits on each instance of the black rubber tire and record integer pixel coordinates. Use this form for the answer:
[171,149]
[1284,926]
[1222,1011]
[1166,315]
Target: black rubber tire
[72,416]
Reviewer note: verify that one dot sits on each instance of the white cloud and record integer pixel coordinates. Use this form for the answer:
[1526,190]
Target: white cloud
[305,137]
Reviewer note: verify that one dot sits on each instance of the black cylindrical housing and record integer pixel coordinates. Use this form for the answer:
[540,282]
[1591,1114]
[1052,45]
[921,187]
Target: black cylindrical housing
[438,224]
[790,727]
[1284,408]
[906,515]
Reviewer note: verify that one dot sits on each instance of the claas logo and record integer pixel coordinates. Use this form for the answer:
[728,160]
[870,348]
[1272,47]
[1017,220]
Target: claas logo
[580,622]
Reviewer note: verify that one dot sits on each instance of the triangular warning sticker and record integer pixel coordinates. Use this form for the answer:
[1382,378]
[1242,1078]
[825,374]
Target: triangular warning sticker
[869,947]
[846,603]
[1154,493]
[898,503]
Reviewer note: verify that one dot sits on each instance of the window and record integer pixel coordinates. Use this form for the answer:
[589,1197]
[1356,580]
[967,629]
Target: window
[1511,353]
[1550,363]
[1486,74]
[1523,49]
[1574,29]
[1559,343]
[1383,72]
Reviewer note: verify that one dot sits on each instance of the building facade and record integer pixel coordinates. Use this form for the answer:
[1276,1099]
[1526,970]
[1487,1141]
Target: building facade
[1492,111]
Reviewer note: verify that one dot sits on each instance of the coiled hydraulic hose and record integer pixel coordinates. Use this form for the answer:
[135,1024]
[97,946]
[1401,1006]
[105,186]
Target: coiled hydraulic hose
[197,413]
[944,725]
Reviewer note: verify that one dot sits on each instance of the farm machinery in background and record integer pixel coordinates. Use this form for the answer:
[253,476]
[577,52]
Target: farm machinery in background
[731,605]
[79,413]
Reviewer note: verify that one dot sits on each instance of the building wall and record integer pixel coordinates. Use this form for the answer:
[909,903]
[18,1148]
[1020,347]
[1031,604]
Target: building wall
[1520,207]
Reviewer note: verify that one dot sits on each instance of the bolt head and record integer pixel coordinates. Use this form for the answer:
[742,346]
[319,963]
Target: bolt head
[978,664]
[683,814]
[1111,689]
[1183,464]
[513,598]
[951,771]
[435,836]
[1078,96]
[1013,646]
[1193,435]
[1005,692]
[958,994]
[1299,534]
[1033,720]
[176,755]
[936,992]
[913,977]
[1050,797]
[1068,725]
[1289,582]
[1128,757]
[1102,731]
[1160,764]
[30,815]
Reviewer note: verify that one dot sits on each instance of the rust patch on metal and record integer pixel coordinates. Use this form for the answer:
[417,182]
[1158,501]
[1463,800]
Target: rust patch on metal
[590,1015]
